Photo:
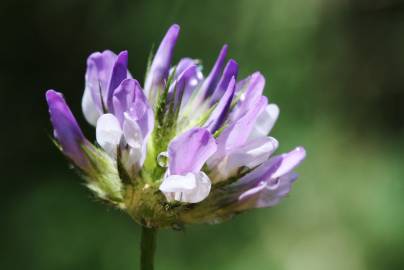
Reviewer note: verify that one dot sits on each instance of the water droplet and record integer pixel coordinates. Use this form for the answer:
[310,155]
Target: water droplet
[162,159]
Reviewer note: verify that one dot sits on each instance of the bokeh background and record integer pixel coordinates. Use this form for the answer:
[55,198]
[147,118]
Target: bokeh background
[335,68]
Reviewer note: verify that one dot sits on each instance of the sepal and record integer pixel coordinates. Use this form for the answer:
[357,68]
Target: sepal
[103,177]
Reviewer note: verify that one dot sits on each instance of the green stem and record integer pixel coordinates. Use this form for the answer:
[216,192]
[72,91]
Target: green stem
[147,248]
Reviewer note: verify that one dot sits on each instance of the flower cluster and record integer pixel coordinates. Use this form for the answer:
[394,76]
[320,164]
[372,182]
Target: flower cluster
[185,148]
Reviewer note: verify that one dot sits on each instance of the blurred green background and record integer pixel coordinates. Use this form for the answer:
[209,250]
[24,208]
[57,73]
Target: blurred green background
[335,68]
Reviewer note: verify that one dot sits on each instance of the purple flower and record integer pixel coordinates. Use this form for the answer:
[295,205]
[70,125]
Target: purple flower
[105,71]
[270,181]
[181,139]
[66,130]
[184,180]
[159,69]
[129,126]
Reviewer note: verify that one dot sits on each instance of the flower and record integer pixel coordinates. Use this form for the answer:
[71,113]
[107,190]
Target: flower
[184,148]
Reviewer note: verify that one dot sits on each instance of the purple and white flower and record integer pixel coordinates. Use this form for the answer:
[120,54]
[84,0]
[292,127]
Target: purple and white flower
[182,140]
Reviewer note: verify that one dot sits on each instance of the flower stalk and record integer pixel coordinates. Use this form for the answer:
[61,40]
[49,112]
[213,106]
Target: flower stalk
[147,248]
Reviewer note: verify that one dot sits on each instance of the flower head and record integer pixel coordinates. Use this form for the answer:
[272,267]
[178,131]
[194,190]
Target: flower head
[184,148]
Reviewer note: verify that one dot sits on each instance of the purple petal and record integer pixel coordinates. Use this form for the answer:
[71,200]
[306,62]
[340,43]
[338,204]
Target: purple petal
[183,65]
[219,114]
[260,174]
[160,66]
[254,88]
[211,81]
[237,133]
[119,73]
[250,155]
[229,72]
[271,181]
[190,150]
[290,161]
[273,168]
[241,85]
[123,97]
[66,130]
[98,73]
[129,98]
[182,84]
[193,79]
[266,196]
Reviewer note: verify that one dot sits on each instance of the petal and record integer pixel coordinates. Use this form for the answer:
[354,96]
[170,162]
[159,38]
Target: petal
[250,155]
[211,81]
[183,64]
[160,66]
[90,110]
[124,97]
[194,77]
[265,121]
[267,184]
[272,169]
[242,85]
[134,138]
[237,133]
[108,133]
[66,130]
[190,150]
[118,74]
[129,98]
[290,161]
[189,188]
[254,88]
[261,174]
[181,84]
[267,196]
[132,132]
[220,113]
[230,72]
[98,73]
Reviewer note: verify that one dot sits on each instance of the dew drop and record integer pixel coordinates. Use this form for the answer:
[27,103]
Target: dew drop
[162,159]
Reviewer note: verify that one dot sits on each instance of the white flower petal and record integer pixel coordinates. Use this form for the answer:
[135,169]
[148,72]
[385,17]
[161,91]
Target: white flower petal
[132,132]
[189,188]
[265,121]
[134,138]
[90,109]
[131,159]
[108,133]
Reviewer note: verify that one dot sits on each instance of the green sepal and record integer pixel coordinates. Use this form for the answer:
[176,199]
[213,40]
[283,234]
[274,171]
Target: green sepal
[163,132]
[103,176]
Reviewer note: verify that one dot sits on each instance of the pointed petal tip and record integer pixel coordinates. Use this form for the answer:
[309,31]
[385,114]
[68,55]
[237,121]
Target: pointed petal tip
[290,161]
[51,94]
[300,150]
[123,57]
[175,27]
[232,62]
[231,68]
[66,129]
[258,75]
[173,32]
[223,51]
